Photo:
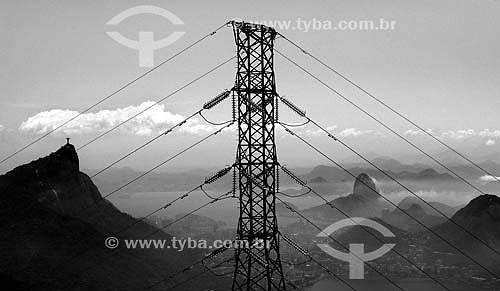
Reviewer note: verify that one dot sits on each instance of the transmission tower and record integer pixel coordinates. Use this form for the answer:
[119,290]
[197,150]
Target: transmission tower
[256,268]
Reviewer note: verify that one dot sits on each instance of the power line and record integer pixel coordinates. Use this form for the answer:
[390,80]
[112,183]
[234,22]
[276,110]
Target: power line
[200,261]
[293,210]
[392,203]
[405,187]
[168,160]
[156,103]
[259,185]
[294,108]
[338,242]
[381,123]
[211,255]
[179,124]
[122,158]
[157,165]
[295,196]
[296,264]
[218,98]
[211,122]
[370,233]
[305,253]
[146,143]
[207,269]
[144,174]
[218,198]
[215,274]
[126,85]
[185,195]
[140,220]
[390,108]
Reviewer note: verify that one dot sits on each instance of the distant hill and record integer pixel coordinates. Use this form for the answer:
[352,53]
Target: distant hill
[449,211]
[399,219]
[483,157]
[362,202]
[390,164]
[50,212]
[415,174]
[114,178]
[427,174]
[480,217]
[328,173]
[393,165]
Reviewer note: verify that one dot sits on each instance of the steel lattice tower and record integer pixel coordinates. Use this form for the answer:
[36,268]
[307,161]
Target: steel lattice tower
[256,268]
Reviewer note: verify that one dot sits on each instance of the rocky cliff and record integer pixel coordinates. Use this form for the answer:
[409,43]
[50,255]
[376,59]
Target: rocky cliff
[364,202]
[54,222]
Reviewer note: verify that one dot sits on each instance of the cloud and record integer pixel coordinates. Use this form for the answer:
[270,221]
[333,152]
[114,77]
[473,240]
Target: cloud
[488,178]
[319,132]
[459,134]
[347,132]
[451,198]
[490,133]
[413,132]
[2,128]
[153,121]
[417,132]
[355,132]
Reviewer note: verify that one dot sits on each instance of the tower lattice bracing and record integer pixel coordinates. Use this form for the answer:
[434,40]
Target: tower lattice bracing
[256,268]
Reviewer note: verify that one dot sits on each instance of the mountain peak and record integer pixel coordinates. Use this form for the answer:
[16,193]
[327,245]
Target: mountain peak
[53,181]
[65,156]
[486,203]
[57,211]
[62,162]
[365,186]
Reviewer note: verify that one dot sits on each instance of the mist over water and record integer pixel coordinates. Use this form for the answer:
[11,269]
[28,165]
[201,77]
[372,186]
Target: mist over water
[227,211]
[140,204]
[449,198]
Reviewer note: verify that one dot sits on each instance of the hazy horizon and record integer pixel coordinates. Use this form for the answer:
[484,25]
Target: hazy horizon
[423,68]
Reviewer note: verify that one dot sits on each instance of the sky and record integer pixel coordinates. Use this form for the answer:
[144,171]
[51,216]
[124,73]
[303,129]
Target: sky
[439,66]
